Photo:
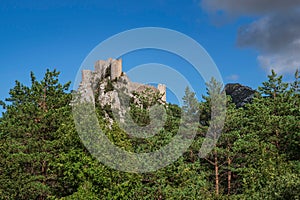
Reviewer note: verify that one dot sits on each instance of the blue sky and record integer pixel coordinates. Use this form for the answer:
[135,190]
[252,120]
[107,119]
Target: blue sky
[36,35]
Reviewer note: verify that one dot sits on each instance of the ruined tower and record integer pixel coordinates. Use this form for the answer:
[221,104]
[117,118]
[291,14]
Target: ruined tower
[112,69]
[86,86]
[162,90]
[101,67]
[116,69]
[86,76]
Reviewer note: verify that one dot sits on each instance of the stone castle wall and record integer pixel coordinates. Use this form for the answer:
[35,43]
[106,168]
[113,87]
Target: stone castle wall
[86,76]
[85,87]
[116,69]
[101,66]
[162,90]
[112,65]
[112,69]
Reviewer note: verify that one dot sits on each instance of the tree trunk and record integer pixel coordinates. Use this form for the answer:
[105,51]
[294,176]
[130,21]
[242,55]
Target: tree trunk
[277,138]
[229,177]
[216,173]
[44,100]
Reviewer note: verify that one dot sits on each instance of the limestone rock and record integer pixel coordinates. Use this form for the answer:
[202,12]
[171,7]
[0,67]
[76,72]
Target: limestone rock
[108,85]
[162,90]
[240,94]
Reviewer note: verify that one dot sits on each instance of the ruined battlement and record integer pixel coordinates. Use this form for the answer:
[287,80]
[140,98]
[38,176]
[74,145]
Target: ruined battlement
[86,76]
[163,91]
[116,69]
[108,85]
[112,69]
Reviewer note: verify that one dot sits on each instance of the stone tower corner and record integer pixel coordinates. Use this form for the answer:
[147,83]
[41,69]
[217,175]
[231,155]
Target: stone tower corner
[163,91]
[116,69]
[86,76]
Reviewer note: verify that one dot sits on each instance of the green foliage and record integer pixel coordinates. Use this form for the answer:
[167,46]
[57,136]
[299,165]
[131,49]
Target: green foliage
[30,138]
[107,72]
[256,157]
[140,115]
[109,86]
[139,111]
[274,86]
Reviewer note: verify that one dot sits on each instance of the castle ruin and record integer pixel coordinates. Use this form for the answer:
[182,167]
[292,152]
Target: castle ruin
[162,90]
[108,85]
[116,69]
[111,69]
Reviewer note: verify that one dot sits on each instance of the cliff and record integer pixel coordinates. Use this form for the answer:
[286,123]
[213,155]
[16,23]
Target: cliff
[109,86]
[240,94]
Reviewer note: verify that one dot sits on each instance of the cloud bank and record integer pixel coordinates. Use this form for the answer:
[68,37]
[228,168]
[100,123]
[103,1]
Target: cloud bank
[275,34]
[249,7]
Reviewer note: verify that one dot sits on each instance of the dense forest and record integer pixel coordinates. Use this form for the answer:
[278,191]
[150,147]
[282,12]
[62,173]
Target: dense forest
[256,157]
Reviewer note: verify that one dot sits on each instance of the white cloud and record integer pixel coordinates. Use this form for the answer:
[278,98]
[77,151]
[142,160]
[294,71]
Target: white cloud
[249,7]
[276,34]
[276,38]
[281,63]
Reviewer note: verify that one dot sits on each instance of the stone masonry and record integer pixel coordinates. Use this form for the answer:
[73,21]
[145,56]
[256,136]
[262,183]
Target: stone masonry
[162,90]
[111,66]
[85,86]
[116,69]
[96,82]
[111,69]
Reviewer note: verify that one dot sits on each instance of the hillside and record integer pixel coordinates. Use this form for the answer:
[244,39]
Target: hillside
[43,157]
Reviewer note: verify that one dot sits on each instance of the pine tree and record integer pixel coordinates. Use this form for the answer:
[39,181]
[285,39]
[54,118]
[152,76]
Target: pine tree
[29,137]
[272,124]
[212,117]
[274,86]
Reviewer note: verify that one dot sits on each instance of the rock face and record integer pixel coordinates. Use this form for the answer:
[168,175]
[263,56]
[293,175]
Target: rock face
[109,86]
[240,94]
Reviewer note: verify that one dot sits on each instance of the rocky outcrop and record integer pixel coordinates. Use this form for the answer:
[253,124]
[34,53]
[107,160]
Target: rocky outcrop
[107,85]
[240,94]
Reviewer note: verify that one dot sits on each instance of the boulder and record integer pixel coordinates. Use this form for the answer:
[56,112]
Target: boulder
[240,94]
